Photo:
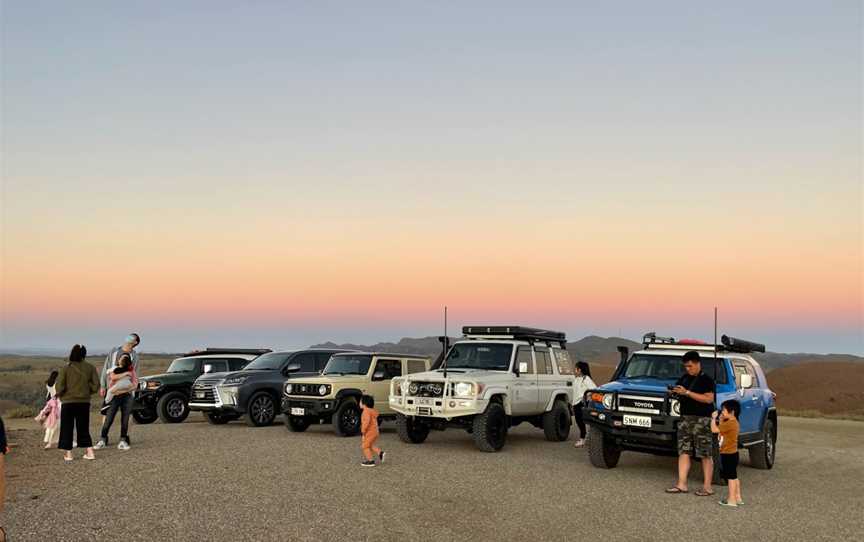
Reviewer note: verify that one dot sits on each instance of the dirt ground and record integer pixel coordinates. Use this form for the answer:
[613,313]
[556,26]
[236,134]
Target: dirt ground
[197,481]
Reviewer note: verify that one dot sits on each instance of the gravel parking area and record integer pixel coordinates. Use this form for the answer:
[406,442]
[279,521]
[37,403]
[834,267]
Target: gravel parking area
[197,481]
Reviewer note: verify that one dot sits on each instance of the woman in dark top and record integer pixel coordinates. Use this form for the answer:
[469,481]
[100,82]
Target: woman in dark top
[76,383]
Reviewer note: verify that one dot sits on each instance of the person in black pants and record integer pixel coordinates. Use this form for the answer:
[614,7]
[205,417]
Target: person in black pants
[76,383]
[123,403]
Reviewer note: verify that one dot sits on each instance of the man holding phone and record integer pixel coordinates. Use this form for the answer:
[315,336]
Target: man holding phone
[695,391]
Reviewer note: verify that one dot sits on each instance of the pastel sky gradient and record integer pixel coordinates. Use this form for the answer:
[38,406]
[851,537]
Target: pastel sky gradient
[281,173]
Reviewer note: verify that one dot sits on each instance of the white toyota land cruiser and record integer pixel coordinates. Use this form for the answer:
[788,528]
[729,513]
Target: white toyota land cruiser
[493,379]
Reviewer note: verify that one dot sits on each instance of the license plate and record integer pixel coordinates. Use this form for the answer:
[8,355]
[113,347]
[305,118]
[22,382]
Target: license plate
[298,411]
[638,421]
[424,401]
[199,395]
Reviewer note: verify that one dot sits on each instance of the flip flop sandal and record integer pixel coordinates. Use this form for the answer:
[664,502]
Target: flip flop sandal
[675,490]
[703,493]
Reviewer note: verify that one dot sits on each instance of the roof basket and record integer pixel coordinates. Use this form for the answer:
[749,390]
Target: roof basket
[217,351]
[516,332]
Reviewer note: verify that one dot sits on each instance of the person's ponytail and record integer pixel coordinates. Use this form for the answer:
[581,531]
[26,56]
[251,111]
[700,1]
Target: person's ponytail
[78,353]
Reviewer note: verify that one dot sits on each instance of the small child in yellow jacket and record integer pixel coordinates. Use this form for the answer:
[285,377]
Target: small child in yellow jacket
[369,430]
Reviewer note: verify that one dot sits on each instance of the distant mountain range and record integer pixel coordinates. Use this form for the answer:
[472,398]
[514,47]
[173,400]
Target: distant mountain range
[593,349]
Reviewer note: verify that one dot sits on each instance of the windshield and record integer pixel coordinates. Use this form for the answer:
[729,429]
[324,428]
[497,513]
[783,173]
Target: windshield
[183,365]
[667,367]
[269,362]
[487,356]
[348,365]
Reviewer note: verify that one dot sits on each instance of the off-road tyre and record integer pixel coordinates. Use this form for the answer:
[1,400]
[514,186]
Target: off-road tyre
[602,450]
[261,410]
[297,424]
[145,416]
[762,455]
[173,407]
[216,418]
[410,430]
[490,428]
[556,422]
[346,420]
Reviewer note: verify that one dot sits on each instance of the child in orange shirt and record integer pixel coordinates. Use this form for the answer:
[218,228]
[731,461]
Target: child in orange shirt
[369,430]
[726,423]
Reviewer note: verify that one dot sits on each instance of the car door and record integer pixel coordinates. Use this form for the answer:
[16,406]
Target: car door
[525,393]
[385,370]
[546,378]
[749,419]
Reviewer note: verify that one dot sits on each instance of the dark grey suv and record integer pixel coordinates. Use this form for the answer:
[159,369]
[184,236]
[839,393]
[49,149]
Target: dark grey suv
[254,391]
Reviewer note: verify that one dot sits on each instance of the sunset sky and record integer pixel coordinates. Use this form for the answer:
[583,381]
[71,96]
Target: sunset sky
[281,173]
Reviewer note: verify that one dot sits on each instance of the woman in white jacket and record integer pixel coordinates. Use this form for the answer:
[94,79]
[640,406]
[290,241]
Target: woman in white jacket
[581,383]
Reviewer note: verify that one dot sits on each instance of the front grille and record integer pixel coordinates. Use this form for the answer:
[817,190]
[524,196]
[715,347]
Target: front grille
[426,389]
[208,391]
[305,389]
[641,404]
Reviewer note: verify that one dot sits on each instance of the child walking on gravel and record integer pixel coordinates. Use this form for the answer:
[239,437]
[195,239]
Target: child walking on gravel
[369,430]
[726,423]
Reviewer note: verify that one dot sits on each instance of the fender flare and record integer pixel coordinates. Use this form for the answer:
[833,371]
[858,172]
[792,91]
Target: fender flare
[343,394]
[556,394]
[490,392]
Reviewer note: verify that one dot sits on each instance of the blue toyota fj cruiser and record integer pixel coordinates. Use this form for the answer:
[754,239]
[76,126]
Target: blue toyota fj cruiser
[636,412]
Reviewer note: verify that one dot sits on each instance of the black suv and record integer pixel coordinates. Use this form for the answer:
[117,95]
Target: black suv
[255,391]
[166,396]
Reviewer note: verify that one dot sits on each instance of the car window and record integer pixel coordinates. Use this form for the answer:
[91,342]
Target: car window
[544,362]
[321,359]
[562,358]
[523,355]
[391,368]
[416,366]
[306,361]
[739,369]
[216,365]
[236,364]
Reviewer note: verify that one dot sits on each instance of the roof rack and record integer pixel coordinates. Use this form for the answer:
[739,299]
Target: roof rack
[216,351]
[515,332]
[729,344]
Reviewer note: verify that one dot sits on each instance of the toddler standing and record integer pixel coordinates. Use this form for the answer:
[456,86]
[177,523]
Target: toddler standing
[369,430]
[728,429]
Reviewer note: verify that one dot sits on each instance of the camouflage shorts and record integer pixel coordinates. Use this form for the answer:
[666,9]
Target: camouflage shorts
[694,436]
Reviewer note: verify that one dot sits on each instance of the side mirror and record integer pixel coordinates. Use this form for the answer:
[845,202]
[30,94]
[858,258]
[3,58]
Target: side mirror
[378,375]
[523,367]
[292,368]
[746,381]
[208,368]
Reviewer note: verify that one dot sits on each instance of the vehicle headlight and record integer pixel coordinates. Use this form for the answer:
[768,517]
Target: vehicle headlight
[323,389]
[675,407]
[463,389]
[607,401]
[234,380]
[142,385]
[153,384]
[289,388]
[413,388]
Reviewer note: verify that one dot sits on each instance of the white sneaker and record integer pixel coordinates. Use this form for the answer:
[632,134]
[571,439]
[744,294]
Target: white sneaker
[579,443]
[99,445]
[123,446]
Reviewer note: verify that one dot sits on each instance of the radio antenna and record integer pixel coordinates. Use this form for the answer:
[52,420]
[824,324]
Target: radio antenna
[715,356]
[444,344]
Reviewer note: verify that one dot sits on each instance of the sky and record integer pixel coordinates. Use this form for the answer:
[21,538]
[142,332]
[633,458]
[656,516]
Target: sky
[282,173]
